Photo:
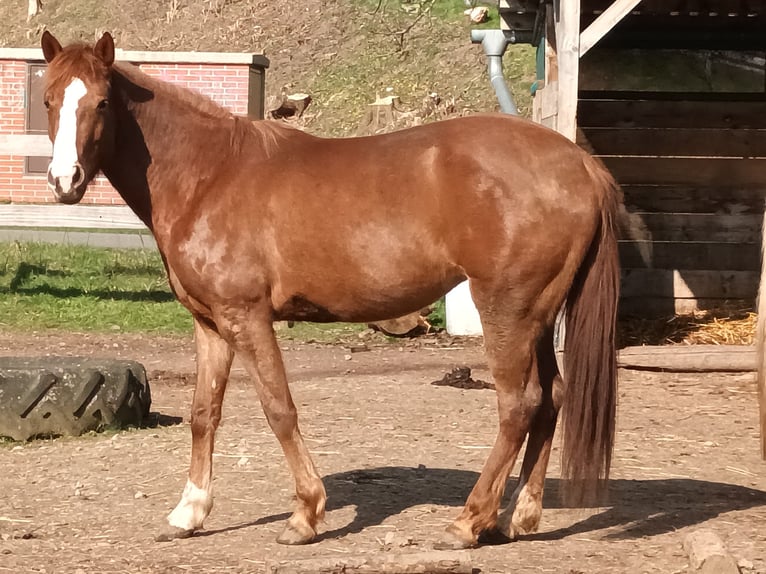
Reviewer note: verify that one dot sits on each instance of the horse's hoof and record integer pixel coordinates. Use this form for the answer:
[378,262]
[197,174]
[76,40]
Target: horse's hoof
[523,520]
[293,535]
[169,533]
[456,538]
[505,526]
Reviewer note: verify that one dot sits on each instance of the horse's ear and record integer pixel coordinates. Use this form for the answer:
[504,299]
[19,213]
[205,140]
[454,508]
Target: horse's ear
[50,46]
[104,49]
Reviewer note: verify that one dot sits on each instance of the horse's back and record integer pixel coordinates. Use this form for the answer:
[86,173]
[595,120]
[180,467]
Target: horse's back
[469,159]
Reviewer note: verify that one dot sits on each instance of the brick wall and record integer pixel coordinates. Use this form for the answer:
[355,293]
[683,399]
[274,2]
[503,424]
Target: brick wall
[227,84]
[12,89]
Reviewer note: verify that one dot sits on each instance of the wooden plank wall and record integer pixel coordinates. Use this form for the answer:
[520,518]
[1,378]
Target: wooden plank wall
[693,171]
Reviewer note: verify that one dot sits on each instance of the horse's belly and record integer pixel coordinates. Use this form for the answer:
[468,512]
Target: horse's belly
[360,302]
[300,308]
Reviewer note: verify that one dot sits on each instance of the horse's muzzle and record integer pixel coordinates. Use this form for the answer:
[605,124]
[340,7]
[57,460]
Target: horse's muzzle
[68,188]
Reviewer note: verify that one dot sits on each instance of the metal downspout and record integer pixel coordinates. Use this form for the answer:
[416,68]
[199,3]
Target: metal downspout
[494,43]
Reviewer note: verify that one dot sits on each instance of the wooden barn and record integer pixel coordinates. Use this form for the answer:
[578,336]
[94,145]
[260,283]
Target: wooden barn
[671,94]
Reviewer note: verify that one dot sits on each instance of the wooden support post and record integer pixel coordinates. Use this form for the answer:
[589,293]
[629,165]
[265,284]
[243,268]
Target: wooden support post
[564,46]
[551,62]
[607,20]
[567,14]
[544,106]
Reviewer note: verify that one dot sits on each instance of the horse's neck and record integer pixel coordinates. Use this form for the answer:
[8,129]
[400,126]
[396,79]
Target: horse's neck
[127,169]
[154,151]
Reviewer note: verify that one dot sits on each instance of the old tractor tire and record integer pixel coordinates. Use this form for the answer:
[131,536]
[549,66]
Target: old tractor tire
[54,396]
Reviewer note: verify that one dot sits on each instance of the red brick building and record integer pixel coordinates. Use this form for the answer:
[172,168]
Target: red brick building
[234,80]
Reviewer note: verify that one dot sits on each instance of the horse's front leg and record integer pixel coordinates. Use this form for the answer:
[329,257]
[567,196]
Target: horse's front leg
[214,358]
[258,350]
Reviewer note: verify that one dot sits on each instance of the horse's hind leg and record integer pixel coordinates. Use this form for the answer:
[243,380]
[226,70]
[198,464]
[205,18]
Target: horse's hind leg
[511,332]
[522,515]
[257,347]
[214,357]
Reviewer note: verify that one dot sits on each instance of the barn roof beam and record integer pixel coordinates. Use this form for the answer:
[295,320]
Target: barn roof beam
[607,20]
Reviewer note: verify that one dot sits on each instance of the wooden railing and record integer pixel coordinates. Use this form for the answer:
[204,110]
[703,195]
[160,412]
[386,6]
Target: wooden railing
[69,216]
[25,144]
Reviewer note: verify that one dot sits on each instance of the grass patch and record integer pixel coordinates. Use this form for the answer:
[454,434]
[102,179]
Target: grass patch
[438,315]
[449,11]
[76,288]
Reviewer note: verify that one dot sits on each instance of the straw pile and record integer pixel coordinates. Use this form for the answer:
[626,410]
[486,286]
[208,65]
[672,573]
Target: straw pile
[717,327]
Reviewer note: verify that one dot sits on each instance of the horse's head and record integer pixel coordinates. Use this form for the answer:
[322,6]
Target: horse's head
[80,119]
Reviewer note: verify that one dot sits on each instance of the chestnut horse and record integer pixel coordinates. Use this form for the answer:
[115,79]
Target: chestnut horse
[257,222]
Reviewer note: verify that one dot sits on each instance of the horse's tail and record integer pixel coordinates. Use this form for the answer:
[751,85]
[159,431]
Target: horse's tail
[590,368]
[760,342]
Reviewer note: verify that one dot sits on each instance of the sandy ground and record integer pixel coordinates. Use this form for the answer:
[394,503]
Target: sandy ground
[399,457]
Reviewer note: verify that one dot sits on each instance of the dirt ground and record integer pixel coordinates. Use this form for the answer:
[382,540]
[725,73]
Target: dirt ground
[399,457]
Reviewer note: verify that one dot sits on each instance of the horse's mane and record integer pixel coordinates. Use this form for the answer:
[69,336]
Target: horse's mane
[269,133]
[184,96]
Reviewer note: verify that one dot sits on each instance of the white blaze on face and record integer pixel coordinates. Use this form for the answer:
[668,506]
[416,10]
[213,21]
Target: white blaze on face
[65,144]
[193,508]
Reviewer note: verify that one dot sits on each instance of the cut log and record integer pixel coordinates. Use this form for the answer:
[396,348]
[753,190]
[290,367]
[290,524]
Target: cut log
[433,562]
[291,106]
[477,15]
[707,553]
[406,326]
[689,359]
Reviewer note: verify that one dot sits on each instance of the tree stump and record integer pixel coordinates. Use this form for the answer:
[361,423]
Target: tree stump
[292,106]
[383,115]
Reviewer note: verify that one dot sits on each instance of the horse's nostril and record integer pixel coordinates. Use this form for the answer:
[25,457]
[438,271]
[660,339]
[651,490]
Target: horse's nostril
[51,179]
[77,176]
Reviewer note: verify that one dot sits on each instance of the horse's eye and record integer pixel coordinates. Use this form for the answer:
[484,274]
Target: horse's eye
[102,104]
[47,104]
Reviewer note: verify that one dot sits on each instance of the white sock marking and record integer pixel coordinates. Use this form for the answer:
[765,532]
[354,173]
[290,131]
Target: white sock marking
[65,144]
[193,508]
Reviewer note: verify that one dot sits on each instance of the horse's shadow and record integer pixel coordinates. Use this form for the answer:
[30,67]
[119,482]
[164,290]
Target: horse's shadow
[638,508]
[26,271]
